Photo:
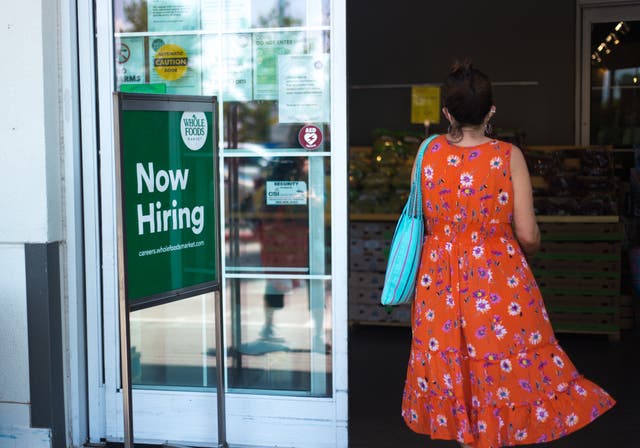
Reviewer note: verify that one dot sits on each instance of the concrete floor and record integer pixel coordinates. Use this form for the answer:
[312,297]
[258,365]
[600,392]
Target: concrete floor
[377,361]
[378,357]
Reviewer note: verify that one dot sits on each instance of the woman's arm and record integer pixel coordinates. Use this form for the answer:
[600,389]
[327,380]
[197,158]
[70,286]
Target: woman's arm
[524,219]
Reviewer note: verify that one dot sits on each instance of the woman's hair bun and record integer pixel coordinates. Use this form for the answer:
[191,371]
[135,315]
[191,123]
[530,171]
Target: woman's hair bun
[467,93]
[461,68]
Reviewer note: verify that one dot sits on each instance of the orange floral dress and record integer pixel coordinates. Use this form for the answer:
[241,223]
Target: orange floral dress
[485,367]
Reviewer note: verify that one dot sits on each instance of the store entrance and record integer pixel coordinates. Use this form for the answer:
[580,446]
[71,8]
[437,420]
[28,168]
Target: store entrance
[277,69]
[588,266]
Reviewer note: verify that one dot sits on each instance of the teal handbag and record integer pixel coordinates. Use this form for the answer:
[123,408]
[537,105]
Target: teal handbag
[406,245]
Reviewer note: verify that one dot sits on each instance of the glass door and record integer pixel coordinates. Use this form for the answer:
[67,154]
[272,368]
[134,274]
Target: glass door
[610,61]
[278,69]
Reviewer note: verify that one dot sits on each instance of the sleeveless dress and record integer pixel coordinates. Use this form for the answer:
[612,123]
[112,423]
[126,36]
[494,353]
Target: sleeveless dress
[485,367]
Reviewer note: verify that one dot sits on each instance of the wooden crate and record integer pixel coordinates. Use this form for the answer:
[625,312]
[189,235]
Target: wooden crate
[626,313]
[367,280]
[542,264]
[378,314]
[364,295]
[368,262]
[578,270]
[599,323]
[369,243]
[372,230]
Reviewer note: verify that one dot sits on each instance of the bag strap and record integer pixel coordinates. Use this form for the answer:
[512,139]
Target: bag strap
[415,196]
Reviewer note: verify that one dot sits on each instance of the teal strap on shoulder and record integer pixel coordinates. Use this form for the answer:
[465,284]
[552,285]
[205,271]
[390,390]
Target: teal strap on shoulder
[416,190]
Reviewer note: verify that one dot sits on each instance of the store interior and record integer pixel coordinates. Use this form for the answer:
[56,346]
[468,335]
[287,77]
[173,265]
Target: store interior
[587,197]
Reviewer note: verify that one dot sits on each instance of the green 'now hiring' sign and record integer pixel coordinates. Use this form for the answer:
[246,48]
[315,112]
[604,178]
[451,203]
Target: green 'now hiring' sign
[168,168]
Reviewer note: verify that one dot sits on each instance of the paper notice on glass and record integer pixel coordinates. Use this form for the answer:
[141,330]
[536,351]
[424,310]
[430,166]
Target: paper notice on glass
[286,192]
[425,105]
[130,66]
[266,49]
[173,15]
[227,67]
[176,62]
[303,88]
[225,15]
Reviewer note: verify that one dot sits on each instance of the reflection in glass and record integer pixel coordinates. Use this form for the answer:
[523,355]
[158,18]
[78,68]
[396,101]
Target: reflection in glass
[615,87]
[217,15]
[174,344]
[277,228]
[129,16]
[280,337]
[270,205]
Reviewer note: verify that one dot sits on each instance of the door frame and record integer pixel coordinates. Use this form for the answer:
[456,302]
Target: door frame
[327,419]
[588,12]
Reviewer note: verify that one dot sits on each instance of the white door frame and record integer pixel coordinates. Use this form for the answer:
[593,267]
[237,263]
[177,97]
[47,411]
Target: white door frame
[325,424]
[588,12]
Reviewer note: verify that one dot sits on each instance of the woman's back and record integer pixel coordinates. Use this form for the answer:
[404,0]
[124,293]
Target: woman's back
[467,185]
[485,367]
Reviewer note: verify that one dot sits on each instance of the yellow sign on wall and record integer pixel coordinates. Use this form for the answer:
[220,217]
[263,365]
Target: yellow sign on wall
[425,104]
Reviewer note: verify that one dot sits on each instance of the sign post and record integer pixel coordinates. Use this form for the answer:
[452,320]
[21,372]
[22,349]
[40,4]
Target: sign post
[168,215]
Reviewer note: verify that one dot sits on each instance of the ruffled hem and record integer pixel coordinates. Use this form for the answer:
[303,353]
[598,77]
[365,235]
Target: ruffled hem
[546,401]
[494,427]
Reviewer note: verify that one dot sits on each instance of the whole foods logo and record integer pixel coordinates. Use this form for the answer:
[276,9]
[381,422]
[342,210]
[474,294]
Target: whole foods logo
[170,61]
[194,129]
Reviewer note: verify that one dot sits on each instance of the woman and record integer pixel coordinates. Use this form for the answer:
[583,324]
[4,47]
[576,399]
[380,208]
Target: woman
[485,367]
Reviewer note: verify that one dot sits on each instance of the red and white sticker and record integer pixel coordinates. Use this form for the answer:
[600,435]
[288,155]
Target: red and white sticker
[310,137]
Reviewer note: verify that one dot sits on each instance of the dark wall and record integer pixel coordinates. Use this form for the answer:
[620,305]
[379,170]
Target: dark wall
[414,42]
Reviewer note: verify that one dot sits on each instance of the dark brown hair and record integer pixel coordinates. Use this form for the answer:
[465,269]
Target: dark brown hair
[467,94]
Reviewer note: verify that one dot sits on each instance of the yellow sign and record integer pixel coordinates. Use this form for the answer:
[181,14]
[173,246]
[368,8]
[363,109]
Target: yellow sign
[425,105]
[170,62]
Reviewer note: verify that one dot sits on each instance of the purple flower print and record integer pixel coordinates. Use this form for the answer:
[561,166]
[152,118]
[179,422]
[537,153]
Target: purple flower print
[466,180]
[482,305]
[521,434]
[505,365]
[477,252]
[468,191]
[479,293]
[453,160]
[514,309]
[524,362]
[500,331]
[525,385]
[428,172]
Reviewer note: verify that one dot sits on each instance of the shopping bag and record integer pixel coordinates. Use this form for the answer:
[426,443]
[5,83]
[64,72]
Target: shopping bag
[406,245]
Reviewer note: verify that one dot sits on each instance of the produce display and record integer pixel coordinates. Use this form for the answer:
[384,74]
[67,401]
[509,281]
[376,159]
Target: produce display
[379,176]
[572,180]
[566,180]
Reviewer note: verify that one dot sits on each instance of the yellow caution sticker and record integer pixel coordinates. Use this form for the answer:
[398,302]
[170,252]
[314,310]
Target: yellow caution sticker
[170,62]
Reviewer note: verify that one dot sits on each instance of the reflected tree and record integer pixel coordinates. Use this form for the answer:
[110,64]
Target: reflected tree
[134,16]
[279,16]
